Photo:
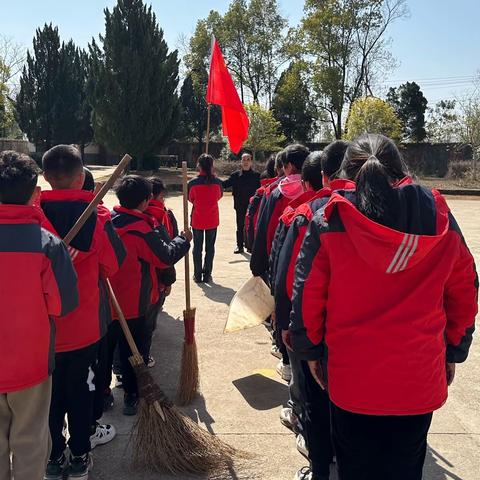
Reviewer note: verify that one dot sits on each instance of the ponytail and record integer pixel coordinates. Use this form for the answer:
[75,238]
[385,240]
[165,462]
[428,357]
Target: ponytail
[376,198]
[205,162]
[375,163]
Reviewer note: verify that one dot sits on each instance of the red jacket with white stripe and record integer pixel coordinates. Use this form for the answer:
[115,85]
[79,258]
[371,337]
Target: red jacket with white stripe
[96,251]
[392,304]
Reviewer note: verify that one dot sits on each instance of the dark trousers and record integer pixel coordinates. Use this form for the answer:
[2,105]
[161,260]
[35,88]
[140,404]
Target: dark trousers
[151,324]
[73,389]
[100,369]
[200,266]
[311,405]
[137,328]
[240,212]
[379,448]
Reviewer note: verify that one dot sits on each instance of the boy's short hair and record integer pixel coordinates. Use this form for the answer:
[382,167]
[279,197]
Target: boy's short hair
[62,163]
[89,182]
[279,160]
[295,154]
[158,186]
[333,157]
[18,177]
[312,170]
[132,190]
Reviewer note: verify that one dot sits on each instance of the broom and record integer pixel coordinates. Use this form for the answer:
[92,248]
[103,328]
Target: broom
[165,440]
[189,375]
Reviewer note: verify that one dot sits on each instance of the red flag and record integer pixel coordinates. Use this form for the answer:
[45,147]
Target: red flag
[221,91]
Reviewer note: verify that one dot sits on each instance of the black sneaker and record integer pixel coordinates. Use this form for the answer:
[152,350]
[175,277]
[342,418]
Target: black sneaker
[119,382]
[238,251]
[207,278]
[79,467]
[197,279]
[56,468]
[130,404]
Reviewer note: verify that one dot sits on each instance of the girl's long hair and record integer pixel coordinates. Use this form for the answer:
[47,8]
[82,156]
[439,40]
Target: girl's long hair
[375,163]
[205,162]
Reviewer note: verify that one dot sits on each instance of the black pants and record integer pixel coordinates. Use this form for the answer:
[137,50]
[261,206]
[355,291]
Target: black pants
[151,324]
[311,405]
[241,212]
[100,369]
[73,389]
[210,237]
[380,448]
[116,336]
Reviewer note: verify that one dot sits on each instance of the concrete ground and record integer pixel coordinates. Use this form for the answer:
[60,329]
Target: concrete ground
[242,394]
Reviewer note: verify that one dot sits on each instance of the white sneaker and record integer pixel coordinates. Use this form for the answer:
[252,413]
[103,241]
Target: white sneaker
[304,474]
[276,352]
[288,418]
[285,371]
[302,445]
[151,362]
[104,434]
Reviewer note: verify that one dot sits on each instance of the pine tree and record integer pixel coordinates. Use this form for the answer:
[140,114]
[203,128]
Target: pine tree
[134,79]
[52,99]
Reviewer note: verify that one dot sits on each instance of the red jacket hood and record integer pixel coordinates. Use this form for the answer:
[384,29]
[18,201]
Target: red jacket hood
[382,247]
[290,211]
[142,217]
[20,214]
[291,186]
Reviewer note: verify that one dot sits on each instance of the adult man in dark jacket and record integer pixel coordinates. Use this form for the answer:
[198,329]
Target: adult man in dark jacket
[244,184]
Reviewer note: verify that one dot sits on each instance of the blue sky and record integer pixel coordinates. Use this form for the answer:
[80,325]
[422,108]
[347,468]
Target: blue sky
[438,46]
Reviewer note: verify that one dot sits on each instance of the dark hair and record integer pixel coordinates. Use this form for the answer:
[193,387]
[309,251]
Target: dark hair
[89,182]
[295,154]
[62,163]
[132,190]
[278,161]
[312,170]
[206,165]
[18,177]
[375,163]
[333,157]
[157,186]
[270,168]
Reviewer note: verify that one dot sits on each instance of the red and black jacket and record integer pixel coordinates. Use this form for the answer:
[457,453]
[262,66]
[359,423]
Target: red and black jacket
[204,194]
[296,224]
[38,282]
[392,304]
[251,216]
[275,203]
[281,232]
[147,249]
[97,252]
[159,212]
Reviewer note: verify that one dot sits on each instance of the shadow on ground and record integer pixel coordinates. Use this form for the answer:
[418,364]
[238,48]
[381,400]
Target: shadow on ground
[262,393]
[217,293]
[434,470]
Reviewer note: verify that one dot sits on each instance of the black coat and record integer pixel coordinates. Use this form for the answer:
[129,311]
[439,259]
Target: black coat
[244,185]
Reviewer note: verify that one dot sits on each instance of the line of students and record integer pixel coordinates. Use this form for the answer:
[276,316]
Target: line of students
[58,342]
[376,296]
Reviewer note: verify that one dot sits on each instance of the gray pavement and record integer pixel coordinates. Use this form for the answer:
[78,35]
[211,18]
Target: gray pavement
[242,394]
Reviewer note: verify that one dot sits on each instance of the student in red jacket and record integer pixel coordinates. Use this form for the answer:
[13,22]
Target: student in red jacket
[148,248]
[37,282]
[96,252]
[385,279]
[164,277]
[204,192]
[289,188]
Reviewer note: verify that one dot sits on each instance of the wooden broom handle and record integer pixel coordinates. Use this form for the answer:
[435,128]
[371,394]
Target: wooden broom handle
[97,199]
[123,321]
[186,227]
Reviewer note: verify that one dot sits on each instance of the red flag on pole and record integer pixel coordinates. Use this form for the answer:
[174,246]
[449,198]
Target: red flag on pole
[221,91]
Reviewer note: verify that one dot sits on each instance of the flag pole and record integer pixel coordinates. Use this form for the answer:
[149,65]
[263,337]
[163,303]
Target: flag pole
[208,128]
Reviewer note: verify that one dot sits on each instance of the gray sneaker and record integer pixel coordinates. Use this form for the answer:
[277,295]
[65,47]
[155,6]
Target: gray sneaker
[79,467]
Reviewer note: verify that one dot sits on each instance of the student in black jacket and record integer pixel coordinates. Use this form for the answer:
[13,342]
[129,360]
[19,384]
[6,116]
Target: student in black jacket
[244,183]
